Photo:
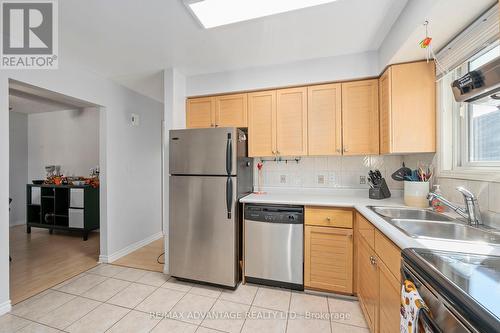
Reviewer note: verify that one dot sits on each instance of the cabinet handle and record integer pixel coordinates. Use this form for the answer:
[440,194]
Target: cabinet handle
[373,260]
[346,150]
[328,219]
[277,152]
[274,152]
[338,150]
[212,125]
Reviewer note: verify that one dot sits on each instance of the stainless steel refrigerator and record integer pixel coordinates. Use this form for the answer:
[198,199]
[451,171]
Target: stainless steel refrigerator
[209,172]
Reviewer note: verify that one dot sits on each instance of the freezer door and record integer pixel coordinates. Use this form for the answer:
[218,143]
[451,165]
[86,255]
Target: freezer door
[205,151]
[203,231]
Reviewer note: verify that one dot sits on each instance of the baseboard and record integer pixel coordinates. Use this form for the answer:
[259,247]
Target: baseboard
[129,249]
[16,223]
[5,307]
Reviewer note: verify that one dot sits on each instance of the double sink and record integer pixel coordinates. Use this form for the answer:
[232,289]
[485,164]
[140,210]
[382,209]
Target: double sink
[423,223]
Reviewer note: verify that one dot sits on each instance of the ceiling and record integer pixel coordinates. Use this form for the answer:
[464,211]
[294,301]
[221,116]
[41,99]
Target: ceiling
[131,41]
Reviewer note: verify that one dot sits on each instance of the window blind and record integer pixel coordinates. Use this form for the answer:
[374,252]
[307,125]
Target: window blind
[480,34]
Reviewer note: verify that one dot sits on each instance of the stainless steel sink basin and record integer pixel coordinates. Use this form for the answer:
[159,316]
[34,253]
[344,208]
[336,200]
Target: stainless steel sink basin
[410,214]
[444,230]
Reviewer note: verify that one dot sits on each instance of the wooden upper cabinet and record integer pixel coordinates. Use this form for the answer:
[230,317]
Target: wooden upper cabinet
[324,119]
[360,125]
[262,123]
[291,121]
[200,112]
[328,259]
[408,108]
[231,110]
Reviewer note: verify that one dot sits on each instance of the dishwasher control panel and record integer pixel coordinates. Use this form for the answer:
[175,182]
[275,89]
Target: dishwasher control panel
[275,213]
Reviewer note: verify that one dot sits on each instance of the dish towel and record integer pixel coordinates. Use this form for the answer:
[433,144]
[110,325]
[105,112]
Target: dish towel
[411,305]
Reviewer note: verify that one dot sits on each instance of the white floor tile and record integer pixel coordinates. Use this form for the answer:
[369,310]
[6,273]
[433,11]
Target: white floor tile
[40,306]
[265,321]
[107,289]
[130,274]
[68,313]
[272,298]
[135,322]
[341,328]
[106,270]
[161,301]
[174,326]
[38,328]
[301,324]
[346,312]
[155,279]
[131,296]
[10,323]
[208,291]
[192,308]
[82,284]
[244,294]
[302,304]
[226,316]
[175,284]
[98,320]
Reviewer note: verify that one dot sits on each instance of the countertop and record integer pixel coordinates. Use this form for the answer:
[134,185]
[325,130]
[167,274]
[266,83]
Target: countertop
[358,199]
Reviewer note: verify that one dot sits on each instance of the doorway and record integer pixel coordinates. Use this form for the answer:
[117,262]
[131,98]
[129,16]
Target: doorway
[56,230]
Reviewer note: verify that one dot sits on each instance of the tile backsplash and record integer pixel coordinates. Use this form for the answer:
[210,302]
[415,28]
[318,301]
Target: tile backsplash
[488,193]
[327,172]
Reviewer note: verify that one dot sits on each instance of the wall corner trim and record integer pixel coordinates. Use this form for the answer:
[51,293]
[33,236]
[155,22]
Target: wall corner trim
[5,307]
[105,259]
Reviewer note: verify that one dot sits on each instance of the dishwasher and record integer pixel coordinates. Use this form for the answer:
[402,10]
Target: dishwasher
[274,237]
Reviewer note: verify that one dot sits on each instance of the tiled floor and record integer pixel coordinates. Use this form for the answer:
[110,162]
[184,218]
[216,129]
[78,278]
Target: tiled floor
[119,299]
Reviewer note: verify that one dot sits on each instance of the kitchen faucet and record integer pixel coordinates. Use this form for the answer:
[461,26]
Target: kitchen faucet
[470,212]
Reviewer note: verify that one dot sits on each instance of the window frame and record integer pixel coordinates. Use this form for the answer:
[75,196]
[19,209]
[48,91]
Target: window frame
[459,156]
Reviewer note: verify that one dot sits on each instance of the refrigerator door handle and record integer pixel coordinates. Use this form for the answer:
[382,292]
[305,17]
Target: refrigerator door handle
[229,153]
[229,196]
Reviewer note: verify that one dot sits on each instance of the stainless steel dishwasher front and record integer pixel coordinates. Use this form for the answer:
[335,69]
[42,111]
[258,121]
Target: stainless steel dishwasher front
[274,236]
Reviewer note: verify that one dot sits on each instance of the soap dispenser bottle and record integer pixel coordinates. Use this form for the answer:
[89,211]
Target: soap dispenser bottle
[437,205]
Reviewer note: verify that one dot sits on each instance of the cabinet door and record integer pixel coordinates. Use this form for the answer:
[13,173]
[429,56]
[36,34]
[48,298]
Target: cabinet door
[328,259]
[390,301]
[368,291]
[385,112]
[200,112]
[262,123]
[291,122]
[324,119]
[360,117]
[231,110]
[413,107]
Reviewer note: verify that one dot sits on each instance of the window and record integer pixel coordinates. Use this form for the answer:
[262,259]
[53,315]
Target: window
[483,123]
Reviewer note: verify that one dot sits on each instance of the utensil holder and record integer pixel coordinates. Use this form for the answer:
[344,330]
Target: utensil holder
[415,194]
[380,191]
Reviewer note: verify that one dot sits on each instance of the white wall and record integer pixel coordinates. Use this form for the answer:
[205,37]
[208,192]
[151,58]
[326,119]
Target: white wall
[338,68]
[69,138]
[18,164]
[131,183]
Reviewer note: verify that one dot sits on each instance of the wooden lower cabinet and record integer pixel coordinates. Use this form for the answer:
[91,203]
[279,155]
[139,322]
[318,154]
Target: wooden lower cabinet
[389,300]
[368,288]
[328,259]
[378,280]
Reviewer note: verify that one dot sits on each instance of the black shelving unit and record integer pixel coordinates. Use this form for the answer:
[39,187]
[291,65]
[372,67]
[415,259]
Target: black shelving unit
[53,208]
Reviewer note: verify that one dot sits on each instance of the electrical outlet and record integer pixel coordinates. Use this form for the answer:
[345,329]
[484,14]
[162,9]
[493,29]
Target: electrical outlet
[321,179]
[283,179]
[362,180]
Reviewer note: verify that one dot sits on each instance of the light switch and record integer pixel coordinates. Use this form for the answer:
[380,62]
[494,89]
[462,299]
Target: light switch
[135,120]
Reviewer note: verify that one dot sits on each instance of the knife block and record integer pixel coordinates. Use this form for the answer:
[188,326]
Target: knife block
[379,191]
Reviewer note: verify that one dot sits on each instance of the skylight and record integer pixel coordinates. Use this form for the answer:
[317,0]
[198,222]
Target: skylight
[214,13]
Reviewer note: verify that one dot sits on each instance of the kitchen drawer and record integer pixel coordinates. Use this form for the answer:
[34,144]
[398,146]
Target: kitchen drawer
[366,230]
[389,253]
[76,218]
[329,217]
[76,198]
[35,195]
